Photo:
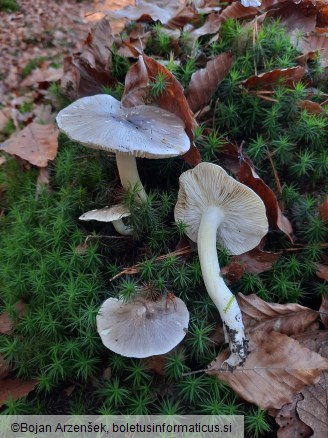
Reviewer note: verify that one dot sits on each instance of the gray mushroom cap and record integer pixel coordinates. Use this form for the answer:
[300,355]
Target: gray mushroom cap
[144,131]
[107,214]
[244,216]
[142,327]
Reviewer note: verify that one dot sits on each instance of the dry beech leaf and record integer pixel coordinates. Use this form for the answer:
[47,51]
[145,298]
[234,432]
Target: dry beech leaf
[43,74]
[293,17]
[15,389]
[173,99]
[309,106]
[146,12]
[321,271]
[248,176]
[254,261]
[285,76]
[289,421]
[323,210]
[183,16]
[6,323]
[314,43]
[36,143]
[288,319]
[136,82]
[324,311]
[205,81]
[313,409]
[212,25]
[276,369]
[312,339]
[156,364]
[237,11]
[86,73]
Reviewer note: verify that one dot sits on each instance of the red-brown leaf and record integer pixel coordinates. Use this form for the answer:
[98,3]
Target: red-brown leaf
[288,319]
[324,310]
[286,76]
[256,260]
[309,106]
[15,389]
[173,99]
[322,271]
[290,423]
[36,143]
[205,81]
[136,82]
[248,176]
[323,210]
[276,369]
[212,25]
[6,323]
[236,11]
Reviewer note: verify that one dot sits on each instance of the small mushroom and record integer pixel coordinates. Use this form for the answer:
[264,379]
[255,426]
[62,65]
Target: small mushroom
[112,214]
[142,327]
[100,122]
[218,209]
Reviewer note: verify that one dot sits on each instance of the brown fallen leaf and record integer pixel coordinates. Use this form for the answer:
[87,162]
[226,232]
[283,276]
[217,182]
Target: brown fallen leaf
[204,82]
[292,16]
[6,323]
[156,364]
[324,310]
[309,106]
[289,421]
[36,143]
[315,43]
[323,210]
[184,15]
[5,115]
[86,73]
[276,369]
[249,177]
[136,83]
[321,271]
[15,389]
[43,74]
[237,11]
[313,409]
[288,319]
[212,25]
[285,76]
[254,261]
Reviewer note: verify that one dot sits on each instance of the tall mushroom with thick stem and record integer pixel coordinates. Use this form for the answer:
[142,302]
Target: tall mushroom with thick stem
[100,122]
[218,209]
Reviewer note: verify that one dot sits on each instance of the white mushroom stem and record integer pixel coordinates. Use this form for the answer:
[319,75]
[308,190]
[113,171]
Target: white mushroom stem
[222,297]
[121,228]
[127,169]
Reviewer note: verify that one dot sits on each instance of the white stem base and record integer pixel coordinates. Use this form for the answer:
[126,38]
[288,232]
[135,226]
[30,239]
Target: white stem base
[127,169]
[222,297]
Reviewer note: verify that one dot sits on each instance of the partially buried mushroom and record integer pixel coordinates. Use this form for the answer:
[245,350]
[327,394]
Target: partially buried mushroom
[142,327]
[100,122]
[218,209]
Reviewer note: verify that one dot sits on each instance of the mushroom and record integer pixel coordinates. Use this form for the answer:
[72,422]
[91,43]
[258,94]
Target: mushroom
[142,327]
[112,214]
[100,122]
[218,209]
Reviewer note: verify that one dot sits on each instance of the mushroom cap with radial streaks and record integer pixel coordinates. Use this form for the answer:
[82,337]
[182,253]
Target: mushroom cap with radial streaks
[244,216]
[143,131]
[142,327]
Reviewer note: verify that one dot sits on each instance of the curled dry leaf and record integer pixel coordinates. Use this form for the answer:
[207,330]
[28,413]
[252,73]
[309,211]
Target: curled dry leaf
[313,409]
[276,369]
[292,16]
[289,421]
[309,106]
[86,74]
[285,76]
[43,74]
[288,319]
[172,98]
[249,177]
[15,389]
[314,43]
[212,25]
[35,143]
[204,82]
[323,210]
[237,11]
[324,310]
